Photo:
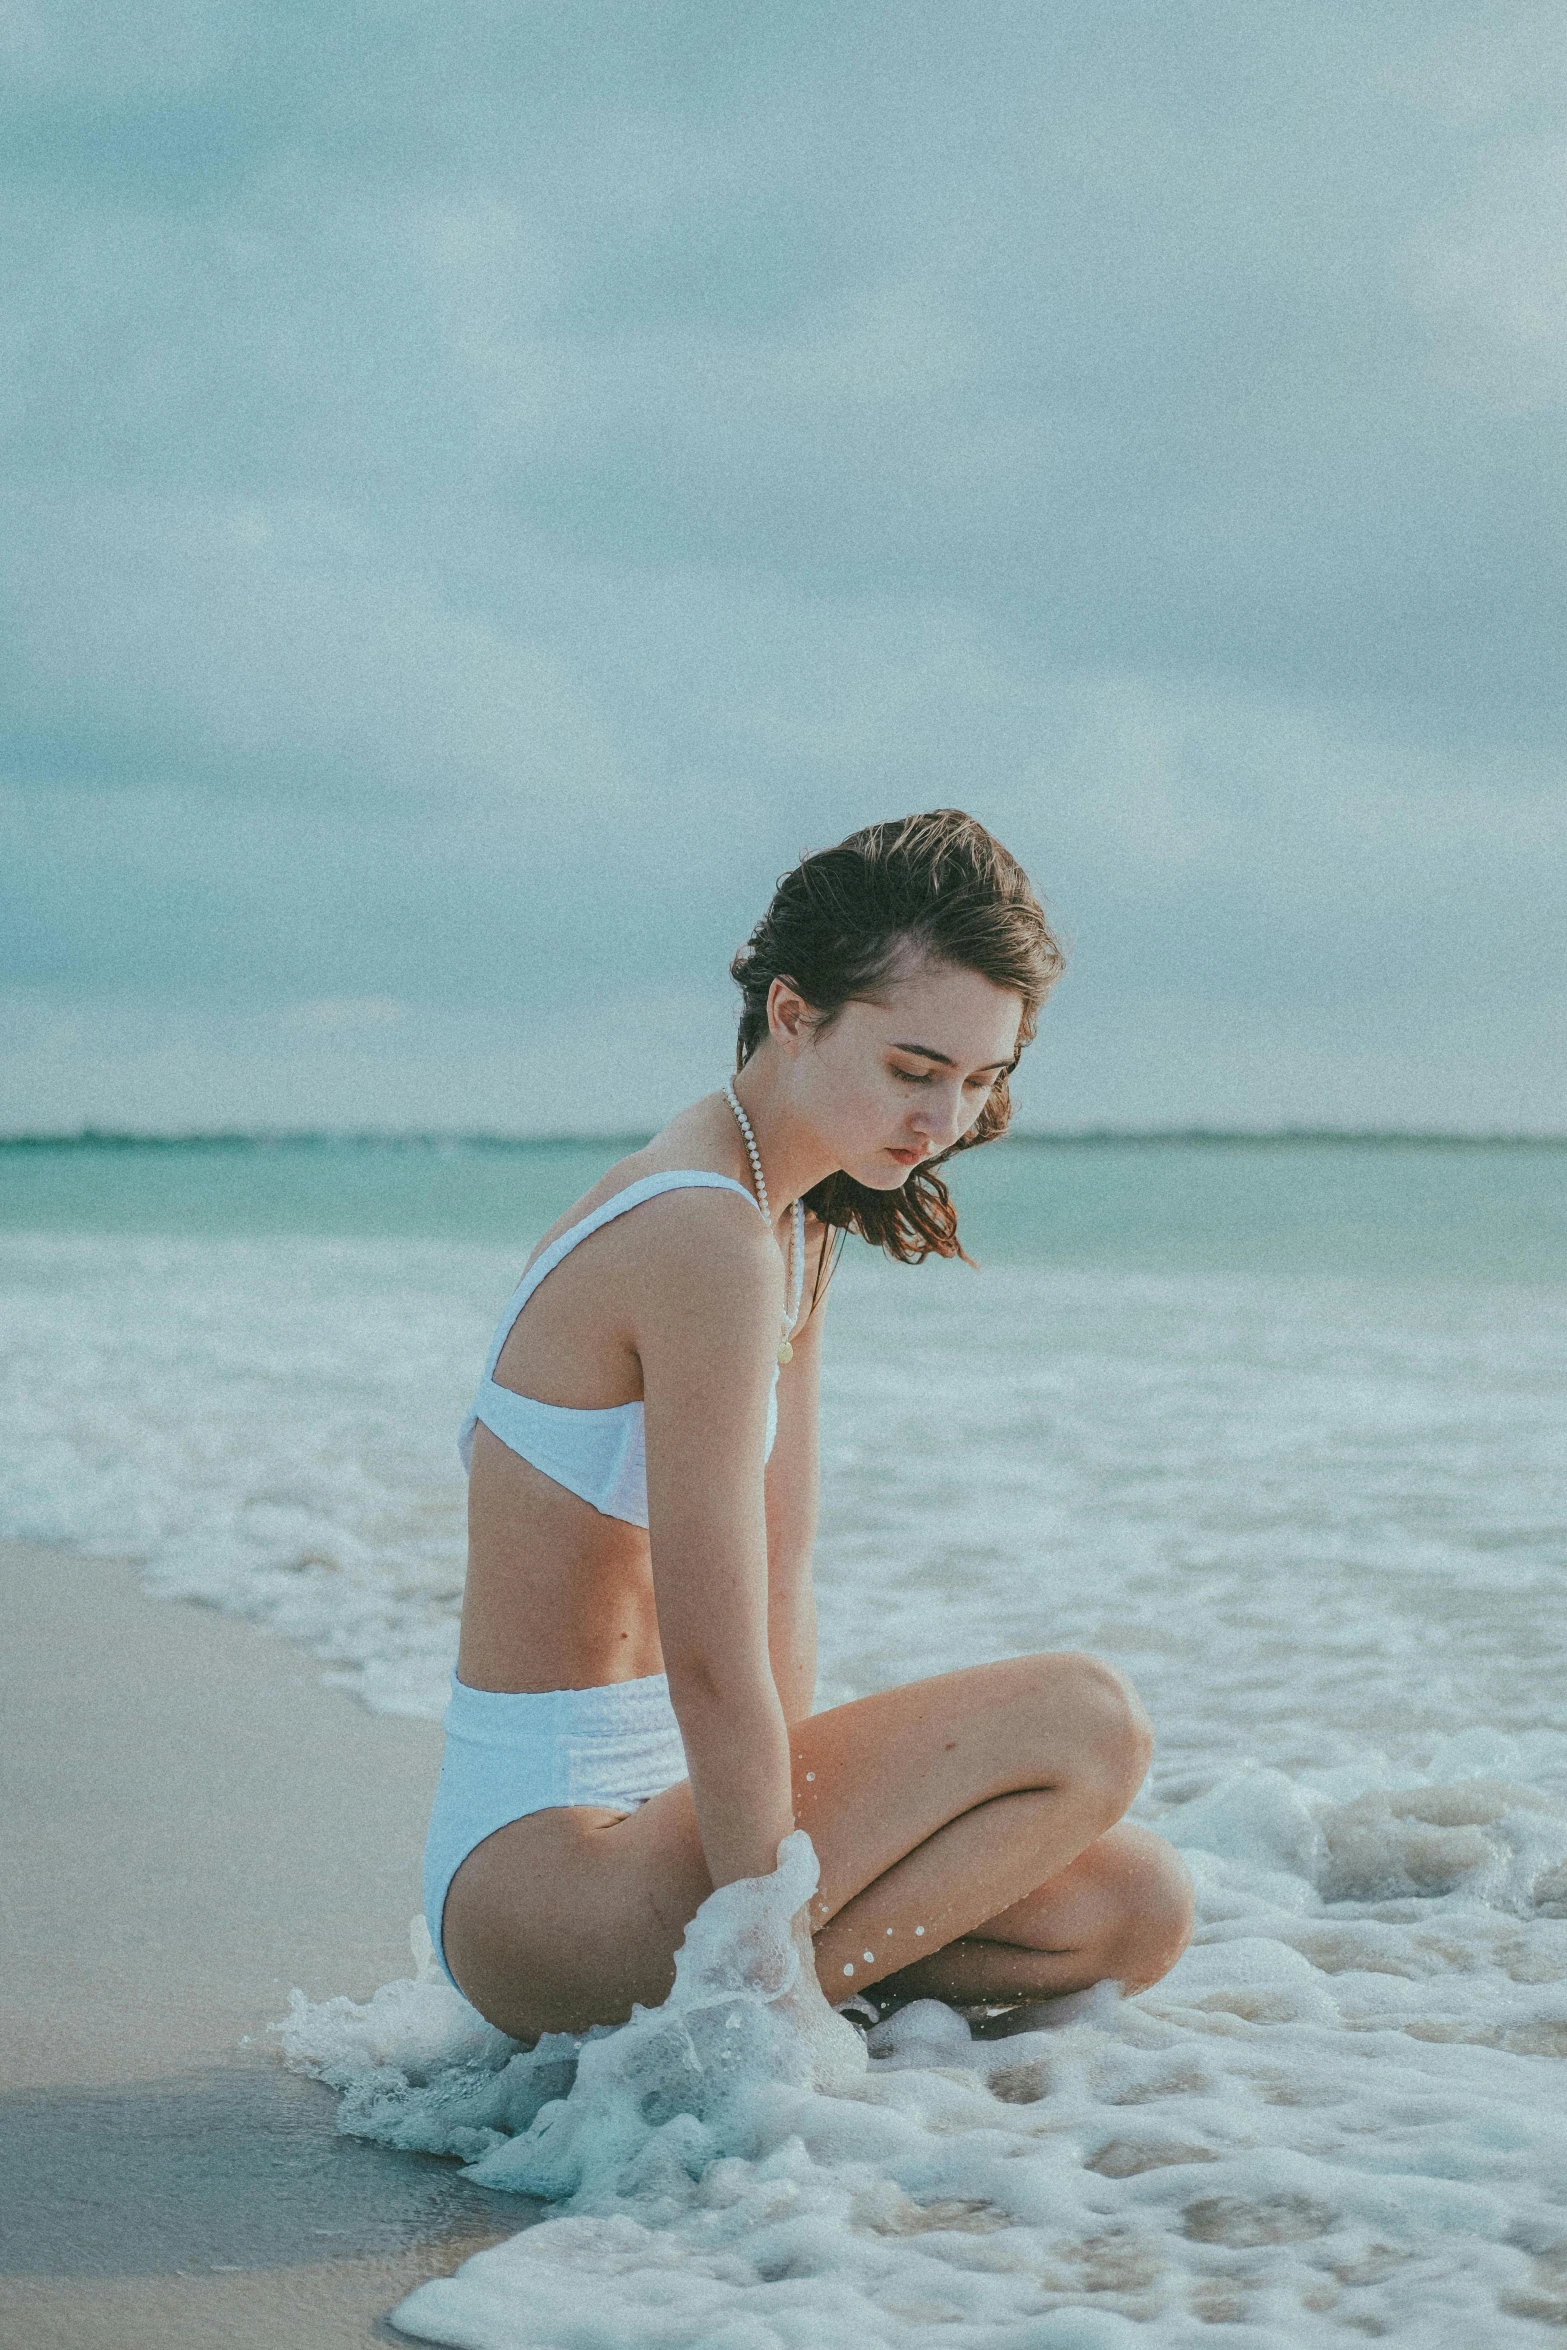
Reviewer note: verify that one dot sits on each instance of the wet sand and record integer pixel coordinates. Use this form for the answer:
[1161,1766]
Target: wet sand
[190,1824]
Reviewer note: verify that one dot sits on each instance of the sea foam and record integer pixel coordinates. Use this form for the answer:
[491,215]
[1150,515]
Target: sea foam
[1308,1517]
[1340,2115]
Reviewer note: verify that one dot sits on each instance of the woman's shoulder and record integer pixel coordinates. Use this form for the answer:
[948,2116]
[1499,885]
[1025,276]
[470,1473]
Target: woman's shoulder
[686,1147]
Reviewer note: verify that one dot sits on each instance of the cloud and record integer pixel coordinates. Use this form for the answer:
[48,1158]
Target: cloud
[271,650]
[488,488]
[1491,274]
[123,1064]
[344,1015]
[81,53]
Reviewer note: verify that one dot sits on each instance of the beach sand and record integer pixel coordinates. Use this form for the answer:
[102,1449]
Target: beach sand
[192,1824]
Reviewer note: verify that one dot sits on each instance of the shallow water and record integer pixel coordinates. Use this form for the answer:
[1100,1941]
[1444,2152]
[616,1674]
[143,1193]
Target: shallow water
[1340,2115]
[1310,1490]
[1305,1514]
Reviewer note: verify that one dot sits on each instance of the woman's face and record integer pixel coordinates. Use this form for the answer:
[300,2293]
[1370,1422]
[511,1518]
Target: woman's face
[898,1078]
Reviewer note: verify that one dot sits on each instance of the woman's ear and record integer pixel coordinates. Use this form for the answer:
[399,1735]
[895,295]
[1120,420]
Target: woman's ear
[789,1017]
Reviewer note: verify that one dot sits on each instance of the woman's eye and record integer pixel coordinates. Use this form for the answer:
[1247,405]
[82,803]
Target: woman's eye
[912,1076]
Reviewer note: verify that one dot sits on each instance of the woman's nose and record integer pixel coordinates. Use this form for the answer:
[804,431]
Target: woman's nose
[940,1122]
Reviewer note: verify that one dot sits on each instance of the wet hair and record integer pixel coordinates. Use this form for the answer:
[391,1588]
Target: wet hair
[837,930]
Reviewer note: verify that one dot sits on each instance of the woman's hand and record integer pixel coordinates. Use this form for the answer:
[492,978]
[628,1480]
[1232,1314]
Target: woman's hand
[752,1938]
[835,2050]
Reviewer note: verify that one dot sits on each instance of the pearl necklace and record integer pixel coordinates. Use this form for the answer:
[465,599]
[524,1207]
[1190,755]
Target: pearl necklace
[796,1225]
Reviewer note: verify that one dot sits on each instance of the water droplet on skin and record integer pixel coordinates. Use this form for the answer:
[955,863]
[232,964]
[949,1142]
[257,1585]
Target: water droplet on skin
[889,1929]
[919,1929]
[869,1957]
[810,1777]
[848,1970]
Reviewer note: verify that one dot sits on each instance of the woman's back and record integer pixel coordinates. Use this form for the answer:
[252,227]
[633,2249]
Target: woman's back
[559,1591]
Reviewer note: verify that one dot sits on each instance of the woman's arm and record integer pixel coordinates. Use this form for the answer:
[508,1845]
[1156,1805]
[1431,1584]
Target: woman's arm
[792,1489]
[707,1318]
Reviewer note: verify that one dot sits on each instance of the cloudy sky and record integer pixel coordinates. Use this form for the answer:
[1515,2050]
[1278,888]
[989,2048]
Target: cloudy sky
[485,487]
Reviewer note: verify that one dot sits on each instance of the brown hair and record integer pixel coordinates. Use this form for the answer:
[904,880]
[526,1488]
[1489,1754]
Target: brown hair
[940,885]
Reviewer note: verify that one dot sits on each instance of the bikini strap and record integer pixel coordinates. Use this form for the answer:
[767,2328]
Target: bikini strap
[619,1203]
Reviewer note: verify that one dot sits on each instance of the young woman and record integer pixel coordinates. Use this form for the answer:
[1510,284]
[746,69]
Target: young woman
[631,1721]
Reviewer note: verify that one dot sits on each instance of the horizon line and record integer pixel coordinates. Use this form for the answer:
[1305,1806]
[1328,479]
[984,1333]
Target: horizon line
[418,1138]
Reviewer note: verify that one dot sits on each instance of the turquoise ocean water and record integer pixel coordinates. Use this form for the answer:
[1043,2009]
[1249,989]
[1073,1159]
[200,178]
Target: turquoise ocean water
[1378,1208]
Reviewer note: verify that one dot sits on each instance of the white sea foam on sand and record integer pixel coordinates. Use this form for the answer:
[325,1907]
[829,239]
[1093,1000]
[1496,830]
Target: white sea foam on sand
[1321,1524]
[1340,2116]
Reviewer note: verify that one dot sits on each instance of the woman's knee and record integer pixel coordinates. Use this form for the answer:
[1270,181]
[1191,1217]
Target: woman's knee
[1109,1737]
[1154,1901]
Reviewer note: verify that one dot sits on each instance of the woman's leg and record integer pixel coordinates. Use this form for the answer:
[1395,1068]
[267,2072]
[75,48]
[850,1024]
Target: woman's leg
[947,1816]
[1028,1889]
[1121,1912]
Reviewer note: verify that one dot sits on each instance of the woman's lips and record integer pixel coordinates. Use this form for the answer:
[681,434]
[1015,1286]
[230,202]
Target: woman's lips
[906,1158]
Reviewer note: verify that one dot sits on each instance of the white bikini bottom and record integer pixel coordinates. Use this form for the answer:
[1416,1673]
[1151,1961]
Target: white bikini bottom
[509,1754]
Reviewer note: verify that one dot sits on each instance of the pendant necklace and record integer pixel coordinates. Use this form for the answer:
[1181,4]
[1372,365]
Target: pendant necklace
[796,1226]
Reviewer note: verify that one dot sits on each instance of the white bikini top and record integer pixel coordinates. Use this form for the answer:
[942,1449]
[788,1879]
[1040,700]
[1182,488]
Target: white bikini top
[598,1454]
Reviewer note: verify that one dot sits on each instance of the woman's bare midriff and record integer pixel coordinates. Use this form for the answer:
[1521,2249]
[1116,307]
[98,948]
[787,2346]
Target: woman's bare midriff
[558,1596]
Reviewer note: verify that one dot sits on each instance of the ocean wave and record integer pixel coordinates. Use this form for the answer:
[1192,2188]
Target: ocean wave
[1301,1514]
